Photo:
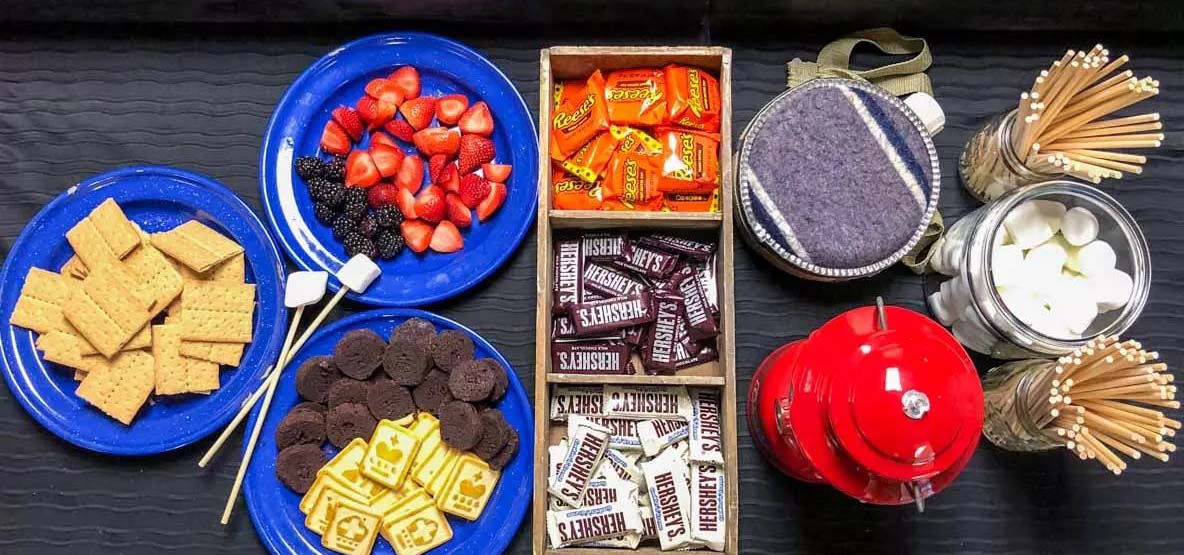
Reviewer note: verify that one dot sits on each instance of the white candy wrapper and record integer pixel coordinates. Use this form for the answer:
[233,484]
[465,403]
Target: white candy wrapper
[585,451]
[708,508]
[623,432]
[628,541]
[705,426]
[620,466]
[586,400]
[646,401]
[649,528]
[602,491]
[589,524]
[658,433]
[670,498]
[555,455]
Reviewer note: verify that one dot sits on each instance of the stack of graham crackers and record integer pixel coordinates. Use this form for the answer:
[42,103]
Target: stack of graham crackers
[135,314]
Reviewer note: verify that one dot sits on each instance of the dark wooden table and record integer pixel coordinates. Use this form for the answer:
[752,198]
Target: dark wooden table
[82,100]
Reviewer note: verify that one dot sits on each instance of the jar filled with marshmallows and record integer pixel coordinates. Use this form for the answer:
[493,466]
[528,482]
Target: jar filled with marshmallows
[1040,272]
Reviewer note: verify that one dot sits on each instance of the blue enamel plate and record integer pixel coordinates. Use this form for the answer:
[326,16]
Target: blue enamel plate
[339,79]
[157,199]
[275,509]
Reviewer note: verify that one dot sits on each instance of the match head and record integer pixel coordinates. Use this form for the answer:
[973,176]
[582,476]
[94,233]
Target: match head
[305,288]
[358,273]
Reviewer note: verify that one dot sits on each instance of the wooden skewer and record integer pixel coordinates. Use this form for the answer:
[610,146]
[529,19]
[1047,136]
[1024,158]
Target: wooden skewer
[1119,130]
[1123,448]
[1099,422]
[1100,385]
[1119,122]
[1094,145]
[1112,462]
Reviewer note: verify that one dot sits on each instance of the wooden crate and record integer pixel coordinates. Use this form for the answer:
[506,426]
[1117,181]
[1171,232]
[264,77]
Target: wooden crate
[570,62]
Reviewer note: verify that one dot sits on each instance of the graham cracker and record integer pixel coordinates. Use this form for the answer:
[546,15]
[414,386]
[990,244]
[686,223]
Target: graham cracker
[75,268]
[174,373]
[217,311]
[39,308]
[103,236]
[61,348]
[105,311]
[156,276]
[196,246]
[122,388]
[229,354]
[139,290]
[141,340]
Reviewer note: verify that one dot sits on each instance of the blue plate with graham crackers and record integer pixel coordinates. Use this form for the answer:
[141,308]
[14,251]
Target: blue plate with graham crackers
[156,199]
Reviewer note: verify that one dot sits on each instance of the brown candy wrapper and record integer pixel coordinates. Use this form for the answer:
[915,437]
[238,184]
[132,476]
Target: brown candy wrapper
[611,314]
[591,357]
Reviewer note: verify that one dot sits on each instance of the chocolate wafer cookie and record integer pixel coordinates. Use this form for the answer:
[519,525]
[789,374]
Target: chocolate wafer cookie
[314,378]
[418,331]
[347,422]
[493,436]
[460,425]
[501,379]
[471,381]
[389,400]
[359,353]
[432,393]
[318,408]
[347,390]
[300,427]
[297,466]
[450,348]
[507,453]
[405,362]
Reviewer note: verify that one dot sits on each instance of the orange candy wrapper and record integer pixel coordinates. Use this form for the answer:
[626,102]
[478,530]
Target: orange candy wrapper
[635,140]
[632,181]
[636,96]
[573,193]
[579,114]
[590,161]
[690,161]
[692,202]
[692,98]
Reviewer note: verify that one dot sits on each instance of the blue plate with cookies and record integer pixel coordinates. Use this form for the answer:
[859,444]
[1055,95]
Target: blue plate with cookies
[141,307]
[393,431]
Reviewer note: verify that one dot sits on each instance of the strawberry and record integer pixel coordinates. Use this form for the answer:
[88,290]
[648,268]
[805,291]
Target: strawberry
[349,120]
[449,179]
[334,139]
[384,90]
[383,194]
[401,130]
[430,204]
[380,138]
[450,108]
[436,140]
[473,189]
[417,234]
[405,200]
[410,174]
[419,112]
[497,195]
[474,151]
[446,238]
[406,81]
[435,164]
[497,173]
[360,170]
[388,159]
[477,120]
[386,112]
[458,213]
[367,109]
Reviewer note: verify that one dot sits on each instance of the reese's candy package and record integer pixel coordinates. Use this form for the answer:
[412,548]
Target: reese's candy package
[692,98]
[573,193]
[632,179]
[692,202]
[636,96]
[690,161]
[590,161]
[635,140]
[579,114]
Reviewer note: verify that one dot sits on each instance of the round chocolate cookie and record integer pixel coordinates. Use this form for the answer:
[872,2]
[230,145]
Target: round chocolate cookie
[300,427]
[501,382]
[297,466]
[347,390]
[432,392]
[346,422]
[314,378]
[405,362]
[419,332]
[493,436]
[389,400]
[461,426]
[507,453]
[318,408]
[359,353]
[471,381]
[451,348]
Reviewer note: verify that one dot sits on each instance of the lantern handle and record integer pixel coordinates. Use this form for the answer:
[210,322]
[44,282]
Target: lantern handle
[881,314]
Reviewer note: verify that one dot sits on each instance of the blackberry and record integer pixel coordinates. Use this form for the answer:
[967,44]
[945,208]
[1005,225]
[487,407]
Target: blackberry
[355,243]
[334,170]
[324,212]
[388,216]
[343,226]
[367,226]
[328,192]
[309,167]
[389,243]
[355,203]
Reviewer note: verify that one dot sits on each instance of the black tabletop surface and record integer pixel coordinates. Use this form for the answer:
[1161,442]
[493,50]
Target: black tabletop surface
[77,102]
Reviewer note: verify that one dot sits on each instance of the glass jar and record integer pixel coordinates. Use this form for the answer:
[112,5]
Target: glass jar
[1012,400]
[990,167]
[974,308]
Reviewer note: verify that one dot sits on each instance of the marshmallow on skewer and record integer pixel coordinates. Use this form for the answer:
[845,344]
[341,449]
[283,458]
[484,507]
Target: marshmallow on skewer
[1079,226]
[1095,257]
[1112,289]
[305,288]
[358,273]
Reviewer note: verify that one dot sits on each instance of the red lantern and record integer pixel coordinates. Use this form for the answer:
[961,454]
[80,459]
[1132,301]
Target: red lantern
[881,402]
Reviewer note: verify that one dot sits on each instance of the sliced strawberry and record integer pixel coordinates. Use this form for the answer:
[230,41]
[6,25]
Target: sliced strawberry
[383,194]
[447,238]
[473,189]
[417,234]
[360,170]
[367,109]
[349,120]
[458,213]
[384,90]
[410,174]
[450,108]
[380,138]
[477,120]
[498,173]
[449,179]
[437,140]
[406,81]
[419,112]
[497,195]
[385,113]
[474,151]
[405,200]
[388,159]
[334,139]
[430,204]
[401,130]
[435,164]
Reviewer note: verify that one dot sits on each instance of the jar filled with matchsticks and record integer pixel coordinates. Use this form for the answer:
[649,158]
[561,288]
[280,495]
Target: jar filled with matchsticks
[1062,128]
[1104,401]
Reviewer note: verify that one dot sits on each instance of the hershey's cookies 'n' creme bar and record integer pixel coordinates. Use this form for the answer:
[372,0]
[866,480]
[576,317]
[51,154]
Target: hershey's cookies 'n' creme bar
[583,400]
[589,524]
[705,426]
[646,401]
[585,450]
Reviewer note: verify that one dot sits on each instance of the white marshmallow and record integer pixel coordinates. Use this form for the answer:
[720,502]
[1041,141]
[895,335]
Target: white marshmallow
[1112,289]
[1045,261]
[939,308]
[1096,257]
[358,273]
[1025,304]
[956,294]
[1052,211]
[1079,226]
[1007,263]
[952,250]
[1073,304]
[1027,226]
[1002,237]
[305,288]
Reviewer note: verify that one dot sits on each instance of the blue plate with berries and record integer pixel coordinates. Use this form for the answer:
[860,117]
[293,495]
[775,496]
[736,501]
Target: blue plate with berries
[407,147]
